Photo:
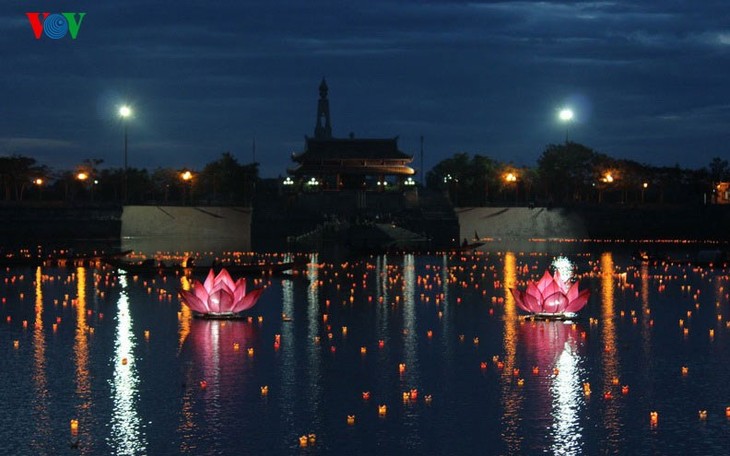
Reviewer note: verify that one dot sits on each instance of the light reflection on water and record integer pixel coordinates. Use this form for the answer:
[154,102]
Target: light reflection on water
[41,416]
[141,408]
[567,401]
[127,437]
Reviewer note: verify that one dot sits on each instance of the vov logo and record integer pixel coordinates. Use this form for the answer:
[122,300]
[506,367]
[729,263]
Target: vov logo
[55,26]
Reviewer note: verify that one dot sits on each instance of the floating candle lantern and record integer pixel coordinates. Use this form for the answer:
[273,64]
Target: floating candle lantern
[74,427]
[264,390]
[402,367]
[382,410]
[703,414]
[653,418]
[350,420]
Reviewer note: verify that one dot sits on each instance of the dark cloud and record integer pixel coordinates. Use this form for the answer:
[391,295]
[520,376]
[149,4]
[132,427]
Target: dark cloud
[647,79]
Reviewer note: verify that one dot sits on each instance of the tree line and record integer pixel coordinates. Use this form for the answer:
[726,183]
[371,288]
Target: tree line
[223,181]
[572,173]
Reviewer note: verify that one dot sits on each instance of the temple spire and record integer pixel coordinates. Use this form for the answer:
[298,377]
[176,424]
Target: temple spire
[323,129]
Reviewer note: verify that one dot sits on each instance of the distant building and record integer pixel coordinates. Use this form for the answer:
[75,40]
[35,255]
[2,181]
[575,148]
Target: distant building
[348,163]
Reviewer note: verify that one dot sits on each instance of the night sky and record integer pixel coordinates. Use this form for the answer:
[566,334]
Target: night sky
[647,80]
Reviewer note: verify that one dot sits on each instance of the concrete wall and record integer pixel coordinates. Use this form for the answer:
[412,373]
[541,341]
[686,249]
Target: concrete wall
[170,228]
[519,223]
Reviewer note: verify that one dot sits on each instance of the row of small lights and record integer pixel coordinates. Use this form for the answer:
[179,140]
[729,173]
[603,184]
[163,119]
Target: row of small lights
[314,182]
[82,176]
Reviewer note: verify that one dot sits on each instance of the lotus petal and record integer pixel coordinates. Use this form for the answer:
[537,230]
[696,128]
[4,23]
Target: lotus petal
[555,303]
[249,300]
[545,281]
[209,281]
[220,301]
[224,278]
[193,302]
[519,299]
[579,302]
[533,302]
[240,290]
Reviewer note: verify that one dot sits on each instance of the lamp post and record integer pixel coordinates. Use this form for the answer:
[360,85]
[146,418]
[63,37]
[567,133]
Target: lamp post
[511,178]
[566,115]
[187,178]
[38,182]
[643,189]
[124,113]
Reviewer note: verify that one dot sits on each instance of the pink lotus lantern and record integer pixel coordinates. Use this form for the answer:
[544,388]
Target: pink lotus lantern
[219,296]
[552,297]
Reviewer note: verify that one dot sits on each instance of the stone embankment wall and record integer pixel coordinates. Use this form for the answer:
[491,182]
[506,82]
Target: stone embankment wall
[178,228]
[596,222]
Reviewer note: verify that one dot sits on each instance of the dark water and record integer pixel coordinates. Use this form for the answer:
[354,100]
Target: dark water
[134,393]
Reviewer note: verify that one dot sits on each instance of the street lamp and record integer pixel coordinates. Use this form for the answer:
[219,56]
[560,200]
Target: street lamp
[38,182]
[644,186]
[125,112]
[566,115]
[187,178]
[511,178]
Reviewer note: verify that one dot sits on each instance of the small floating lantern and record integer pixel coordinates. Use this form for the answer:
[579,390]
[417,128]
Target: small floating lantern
[402,367]
[363,350]
[350,420]
[685,370]
[16,344]
[587,389]
[264,390]
[702,414]
[653,418]
[366,395]
[74,427]
[428,399]
[625,390]
[203,384]
[382,410]
[303,441]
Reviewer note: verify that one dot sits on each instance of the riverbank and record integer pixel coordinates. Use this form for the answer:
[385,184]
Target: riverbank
[30,225]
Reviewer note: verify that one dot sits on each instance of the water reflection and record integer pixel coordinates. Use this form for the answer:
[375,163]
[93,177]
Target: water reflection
[314,358]
[126,435]
[511,397]
[41,419]
[610,360]
[81,353]
[567,433]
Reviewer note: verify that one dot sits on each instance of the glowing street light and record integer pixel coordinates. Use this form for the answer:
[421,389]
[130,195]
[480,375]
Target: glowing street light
[82,176]
[511,179]
[125,112]
[187,178]
[566,115]
[644,186]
